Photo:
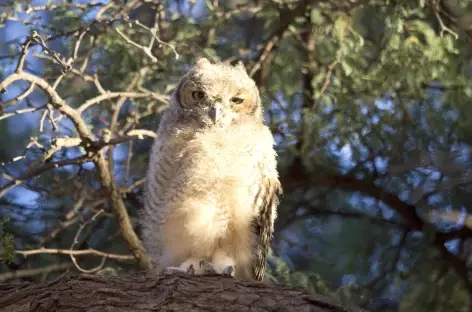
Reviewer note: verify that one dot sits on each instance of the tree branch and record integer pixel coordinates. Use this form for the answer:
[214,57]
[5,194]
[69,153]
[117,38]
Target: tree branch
[98,158]
[299,177]
[176,292]
[81,252]
[41,169]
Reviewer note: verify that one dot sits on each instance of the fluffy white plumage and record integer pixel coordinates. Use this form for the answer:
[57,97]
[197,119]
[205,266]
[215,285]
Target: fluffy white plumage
[212,183]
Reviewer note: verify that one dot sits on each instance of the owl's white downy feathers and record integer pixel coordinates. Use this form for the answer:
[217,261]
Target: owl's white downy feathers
[212,185]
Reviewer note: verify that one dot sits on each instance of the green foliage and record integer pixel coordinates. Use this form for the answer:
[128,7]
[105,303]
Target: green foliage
[7,249]
[311,281]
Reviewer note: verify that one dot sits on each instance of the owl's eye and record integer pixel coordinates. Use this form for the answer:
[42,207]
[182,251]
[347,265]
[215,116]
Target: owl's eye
[237,100]
[198,95]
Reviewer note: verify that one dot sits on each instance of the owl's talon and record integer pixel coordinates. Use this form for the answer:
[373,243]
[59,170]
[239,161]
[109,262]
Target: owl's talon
[207,267]
[227,271]
[191,270]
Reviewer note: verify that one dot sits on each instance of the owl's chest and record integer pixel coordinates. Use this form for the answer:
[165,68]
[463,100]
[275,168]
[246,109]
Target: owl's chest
[218,160]
[223,159]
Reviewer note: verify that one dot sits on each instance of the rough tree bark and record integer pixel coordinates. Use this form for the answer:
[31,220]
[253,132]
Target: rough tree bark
[176,292]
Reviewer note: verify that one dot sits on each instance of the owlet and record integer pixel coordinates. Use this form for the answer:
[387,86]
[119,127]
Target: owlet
[212,185]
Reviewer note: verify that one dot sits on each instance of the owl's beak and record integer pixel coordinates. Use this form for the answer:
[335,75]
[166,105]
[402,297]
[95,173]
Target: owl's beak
[214,112]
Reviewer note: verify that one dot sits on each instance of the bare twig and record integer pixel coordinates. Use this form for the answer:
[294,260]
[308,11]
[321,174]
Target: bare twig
[76,241]
[22,111]
[145,49]
[24,52]
[33,142]
[153,31]
[128,161]
[114,119]
[83,252]
[108,96]
[40,40]
[19,98]
[138,134]
[326,82]
[59,143]
[57,230]
[41,169]
[98,158]
[444,28]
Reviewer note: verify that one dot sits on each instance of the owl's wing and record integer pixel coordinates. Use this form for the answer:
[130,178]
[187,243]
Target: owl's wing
[266,202]
[157,185]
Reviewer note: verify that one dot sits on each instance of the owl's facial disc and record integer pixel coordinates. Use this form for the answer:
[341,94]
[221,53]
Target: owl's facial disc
[218,95]
[213,107]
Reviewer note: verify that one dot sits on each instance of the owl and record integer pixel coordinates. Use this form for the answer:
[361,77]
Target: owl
[212,186]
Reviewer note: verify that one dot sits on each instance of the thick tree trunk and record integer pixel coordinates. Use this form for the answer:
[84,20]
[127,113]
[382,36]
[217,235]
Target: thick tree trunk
[176,292]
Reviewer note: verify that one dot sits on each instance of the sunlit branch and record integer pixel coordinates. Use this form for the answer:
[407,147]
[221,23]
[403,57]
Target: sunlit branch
[83,252]
[98,158]
[22,111]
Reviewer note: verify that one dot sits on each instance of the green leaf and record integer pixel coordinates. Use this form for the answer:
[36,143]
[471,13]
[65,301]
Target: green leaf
[346,67]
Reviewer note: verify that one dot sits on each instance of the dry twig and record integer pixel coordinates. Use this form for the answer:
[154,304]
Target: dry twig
[87,139]
[83,252]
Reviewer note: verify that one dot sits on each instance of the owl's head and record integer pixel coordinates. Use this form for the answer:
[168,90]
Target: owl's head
[217,95]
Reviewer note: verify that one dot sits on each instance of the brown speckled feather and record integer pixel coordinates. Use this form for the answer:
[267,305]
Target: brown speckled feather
[267,199]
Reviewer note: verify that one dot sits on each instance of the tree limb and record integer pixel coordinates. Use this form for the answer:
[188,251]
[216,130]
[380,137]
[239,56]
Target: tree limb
[176,292]
[105,175]
[299,177]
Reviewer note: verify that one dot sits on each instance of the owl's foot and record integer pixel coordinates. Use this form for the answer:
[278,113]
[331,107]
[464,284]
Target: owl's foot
[190,270]
[210,269]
